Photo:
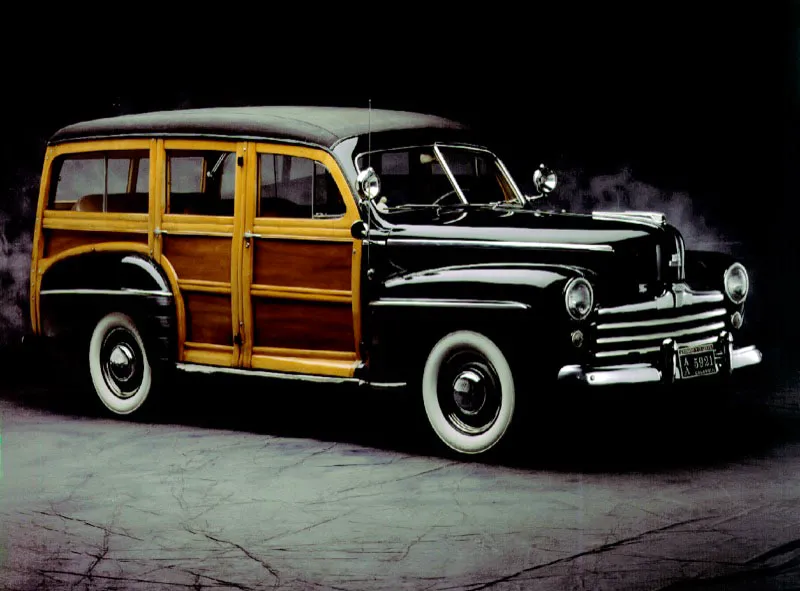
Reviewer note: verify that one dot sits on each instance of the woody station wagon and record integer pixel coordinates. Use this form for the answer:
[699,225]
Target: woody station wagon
[379,247]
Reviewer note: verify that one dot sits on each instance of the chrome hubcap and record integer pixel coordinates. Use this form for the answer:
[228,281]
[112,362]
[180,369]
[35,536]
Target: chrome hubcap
[469,392]
[121,363]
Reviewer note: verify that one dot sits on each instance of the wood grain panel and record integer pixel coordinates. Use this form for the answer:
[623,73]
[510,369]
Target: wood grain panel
[60,240]
[199,257]
[295,324]
[208,318]
[298,263]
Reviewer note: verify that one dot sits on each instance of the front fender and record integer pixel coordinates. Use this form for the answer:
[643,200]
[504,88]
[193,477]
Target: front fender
[519,305]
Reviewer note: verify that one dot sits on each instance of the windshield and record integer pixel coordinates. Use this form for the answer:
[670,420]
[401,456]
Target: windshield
[416,177]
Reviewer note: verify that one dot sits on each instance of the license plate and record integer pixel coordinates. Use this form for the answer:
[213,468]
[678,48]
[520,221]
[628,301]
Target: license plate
[697,361]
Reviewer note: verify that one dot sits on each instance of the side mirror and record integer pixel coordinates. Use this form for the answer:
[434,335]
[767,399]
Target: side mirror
[358,230]
[544,180]
[369,185]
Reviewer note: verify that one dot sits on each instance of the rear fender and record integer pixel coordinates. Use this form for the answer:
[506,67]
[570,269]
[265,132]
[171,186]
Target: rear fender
[77,291]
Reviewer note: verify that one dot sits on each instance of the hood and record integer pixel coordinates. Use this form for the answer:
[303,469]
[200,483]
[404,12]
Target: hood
[630,251]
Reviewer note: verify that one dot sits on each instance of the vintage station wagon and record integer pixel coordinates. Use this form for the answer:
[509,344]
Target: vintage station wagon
[380,247]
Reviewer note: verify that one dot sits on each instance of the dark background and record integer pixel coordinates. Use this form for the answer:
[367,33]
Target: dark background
[692,112]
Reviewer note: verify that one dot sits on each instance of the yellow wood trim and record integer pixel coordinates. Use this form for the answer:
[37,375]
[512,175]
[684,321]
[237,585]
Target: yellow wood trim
[301,293]
[108,225]
[203,220]
[355,288]
[152,202]
[248,213]
[37,248]
[180,306]
[313,366]
[240,194]
[192,346]
[201,145]
[325,158]
[305,353]
[205,357]
[83,146]
[200,285]
[52,215]
[302,233]
[157,197]
[315,225]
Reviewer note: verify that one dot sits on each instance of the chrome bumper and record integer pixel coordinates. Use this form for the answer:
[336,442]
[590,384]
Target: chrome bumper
[642,373]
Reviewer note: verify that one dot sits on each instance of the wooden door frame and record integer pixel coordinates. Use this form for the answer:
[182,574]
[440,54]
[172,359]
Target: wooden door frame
[331,230]
[200,225]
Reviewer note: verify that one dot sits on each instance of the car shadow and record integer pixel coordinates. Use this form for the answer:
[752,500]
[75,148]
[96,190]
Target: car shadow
[595,436]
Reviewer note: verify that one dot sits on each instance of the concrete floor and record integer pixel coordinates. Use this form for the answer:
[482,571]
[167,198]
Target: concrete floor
[242,493]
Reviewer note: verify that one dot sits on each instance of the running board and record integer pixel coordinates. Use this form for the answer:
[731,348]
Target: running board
[211,369]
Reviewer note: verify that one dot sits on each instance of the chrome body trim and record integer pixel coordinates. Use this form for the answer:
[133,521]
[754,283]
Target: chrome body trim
[260,373]
[121,291]
[654,219]
[450,303]
[659,321]
[503,244]
[681,295]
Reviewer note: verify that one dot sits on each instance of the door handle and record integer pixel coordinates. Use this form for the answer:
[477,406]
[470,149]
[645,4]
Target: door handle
[249,235]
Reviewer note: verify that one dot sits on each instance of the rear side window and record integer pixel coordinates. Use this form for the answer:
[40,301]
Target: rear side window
[111,182]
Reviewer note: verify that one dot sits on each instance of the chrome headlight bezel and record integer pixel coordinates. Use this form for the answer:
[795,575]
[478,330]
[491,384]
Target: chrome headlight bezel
[729,273]
[572,285]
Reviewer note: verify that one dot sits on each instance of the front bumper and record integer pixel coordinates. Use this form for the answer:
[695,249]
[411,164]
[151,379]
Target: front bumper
[726,359]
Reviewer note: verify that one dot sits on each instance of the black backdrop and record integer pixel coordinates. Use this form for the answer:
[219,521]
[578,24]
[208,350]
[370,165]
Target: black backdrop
[700,113]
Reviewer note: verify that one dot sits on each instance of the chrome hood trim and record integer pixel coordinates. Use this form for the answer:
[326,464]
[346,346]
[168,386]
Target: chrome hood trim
[649,218]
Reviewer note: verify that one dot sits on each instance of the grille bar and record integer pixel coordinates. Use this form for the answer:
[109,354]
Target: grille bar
[646,350]
[662,335]
[662,321]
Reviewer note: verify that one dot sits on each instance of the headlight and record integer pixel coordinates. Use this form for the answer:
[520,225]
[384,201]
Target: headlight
[579,298]
[737,283]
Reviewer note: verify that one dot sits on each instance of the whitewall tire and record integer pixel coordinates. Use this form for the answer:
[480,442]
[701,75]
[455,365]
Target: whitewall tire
[468,391]
[118,364]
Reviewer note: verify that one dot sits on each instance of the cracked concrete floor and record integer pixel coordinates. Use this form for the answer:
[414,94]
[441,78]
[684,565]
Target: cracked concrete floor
[252,495]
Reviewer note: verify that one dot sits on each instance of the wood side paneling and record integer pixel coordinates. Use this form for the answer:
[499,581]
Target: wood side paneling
[60,240]
[208,318]
[297,324]
[199,257]
[299,263]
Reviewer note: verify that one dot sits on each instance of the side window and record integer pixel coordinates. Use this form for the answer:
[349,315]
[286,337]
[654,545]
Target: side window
[201,183]
[294,187]
[112,182]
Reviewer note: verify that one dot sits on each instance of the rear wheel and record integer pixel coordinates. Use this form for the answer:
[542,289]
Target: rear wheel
[121,371]
[468,392]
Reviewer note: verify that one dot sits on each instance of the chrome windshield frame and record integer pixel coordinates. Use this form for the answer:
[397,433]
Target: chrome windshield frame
[436,147]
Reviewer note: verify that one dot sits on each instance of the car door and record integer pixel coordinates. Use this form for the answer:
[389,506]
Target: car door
[300,265]
[199,236]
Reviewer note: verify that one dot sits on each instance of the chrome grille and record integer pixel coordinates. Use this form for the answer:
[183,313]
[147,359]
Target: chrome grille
[639,329]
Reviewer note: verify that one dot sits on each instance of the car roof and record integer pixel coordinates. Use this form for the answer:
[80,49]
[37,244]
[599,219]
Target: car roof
[320,126]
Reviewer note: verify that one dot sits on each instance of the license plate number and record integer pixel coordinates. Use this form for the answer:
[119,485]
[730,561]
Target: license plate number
[697,361]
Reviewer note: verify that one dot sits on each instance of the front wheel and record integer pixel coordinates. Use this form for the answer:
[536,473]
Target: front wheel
[468,392]
[120,369]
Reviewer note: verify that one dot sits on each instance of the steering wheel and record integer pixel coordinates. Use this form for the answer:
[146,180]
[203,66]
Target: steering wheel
[445,196]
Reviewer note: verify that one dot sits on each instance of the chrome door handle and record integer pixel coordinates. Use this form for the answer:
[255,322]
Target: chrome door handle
[249,235]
